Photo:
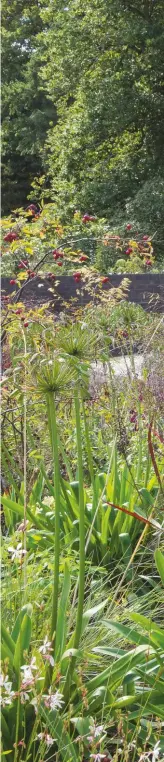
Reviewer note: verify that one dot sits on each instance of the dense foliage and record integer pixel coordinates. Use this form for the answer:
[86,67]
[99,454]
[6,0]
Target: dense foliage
[82,637]
[82,452]
[26,109]
[83,106]
[34,240]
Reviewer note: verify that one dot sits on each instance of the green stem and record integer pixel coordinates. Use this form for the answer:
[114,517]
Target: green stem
[17,727]
[90,463]
[54,442]
[88,447]
[148,464]
[79,617]
[139,467]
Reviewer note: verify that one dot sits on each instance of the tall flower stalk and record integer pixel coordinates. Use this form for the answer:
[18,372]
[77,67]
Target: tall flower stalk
[76,346]
[88,447]
[79,617]
[54,441]
[54,378]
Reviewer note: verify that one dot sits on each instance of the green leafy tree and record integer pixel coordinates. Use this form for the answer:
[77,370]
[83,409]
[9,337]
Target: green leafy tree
[103,64]
[26,110]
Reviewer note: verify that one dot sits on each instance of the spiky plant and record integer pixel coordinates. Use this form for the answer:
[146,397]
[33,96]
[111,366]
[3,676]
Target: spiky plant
[76,346]
[52,381]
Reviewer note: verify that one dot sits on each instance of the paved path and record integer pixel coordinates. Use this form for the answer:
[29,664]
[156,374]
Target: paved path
[121,366]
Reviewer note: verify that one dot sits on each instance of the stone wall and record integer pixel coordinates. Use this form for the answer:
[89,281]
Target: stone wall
[146,290]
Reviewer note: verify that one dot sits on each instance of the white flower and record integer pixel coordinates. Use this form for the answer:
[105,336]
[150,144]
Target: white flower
[34,703]
[27,668]
[28,678]
[8,694]
[17,552]
[153,755]
[97,757]
[24,697]
[45,650]
[49,500]
[156,752]
[54,700]
[46,737]
[95,731]
[23,526]
[3,679]
[47,645]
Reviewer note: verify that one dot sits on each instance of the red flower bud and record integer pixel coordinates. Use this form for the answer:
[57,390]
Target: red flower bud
[12,282]
[60,264]
[25,323]
[57,254]
[18,312]
[145,238]
[105,280]
[129,250]
[23,263]
[77,277]
[11,237]
[83,258]
[88,218]
[129,226]
[148,262]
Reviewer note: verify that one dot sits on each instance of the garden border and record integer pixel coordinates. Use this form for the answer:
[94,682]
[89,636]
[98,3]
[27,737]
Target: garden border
[146,290]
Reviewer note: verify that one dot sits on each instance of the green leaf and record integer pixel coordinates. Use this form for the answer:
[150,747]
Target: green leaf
[105,528]
[19,509]
[16,629]
[7,639]
[62,612]
[146,623]
[11,479]
[69,653]
[37,490]
[22,643]
[114,674]
[5,731]
[126,632]
[94,610]
[6,654]
[159,560]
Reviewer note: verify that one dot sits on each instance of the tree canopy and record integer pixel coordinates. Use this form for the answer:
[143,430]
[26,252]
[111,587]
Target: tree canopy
[26,109]
[84,105]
